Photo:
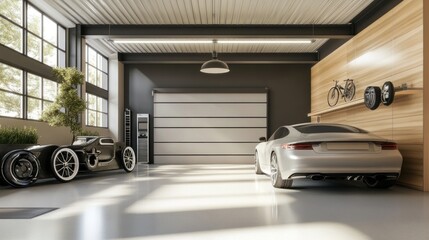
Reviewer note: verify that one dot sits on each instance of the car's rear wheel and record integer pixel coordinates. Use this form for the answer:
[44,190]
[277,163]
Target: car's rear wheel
[128,159]
[372,182]
[20,168]
[258,169]
[276,177]
[65,164]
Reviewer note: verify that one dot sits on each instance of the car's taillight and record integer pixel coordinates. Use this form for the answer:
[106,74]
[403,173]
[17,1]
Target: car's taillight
[298,146]
[388,145]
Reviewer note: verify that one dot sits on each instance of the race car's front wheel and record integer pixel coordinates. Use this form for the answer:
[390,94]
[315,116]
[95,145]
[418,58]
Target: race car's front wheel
[64,164]
[20,168]
[128,159]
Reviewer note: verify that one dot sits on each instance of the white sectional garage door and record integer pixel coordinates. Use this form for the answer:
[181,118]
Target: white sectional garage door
[208,126]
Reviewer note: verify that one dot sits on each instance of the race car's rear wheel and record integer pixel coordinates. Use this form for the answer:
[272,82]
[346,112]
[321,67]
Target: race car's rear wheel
[128,159]
[20,168]
[65,164]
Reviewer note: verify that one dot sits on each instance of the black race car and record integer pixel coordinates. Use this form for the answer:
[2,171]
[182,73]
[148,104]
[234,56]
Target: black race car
[22,167]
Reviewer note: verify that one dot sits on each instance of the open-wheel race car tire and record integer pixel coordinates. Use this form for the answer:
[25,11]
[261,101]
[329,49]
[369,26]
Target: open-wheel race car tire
[372,97]
[128,159]
[387,93]
[64,164]
[20,168]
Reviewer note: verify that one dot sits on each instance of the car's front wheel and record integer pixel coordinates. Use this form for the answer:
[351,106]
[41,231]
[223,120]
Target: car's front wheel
[276,177]
[20,168]
[128,159]
[258,169]
[65,164]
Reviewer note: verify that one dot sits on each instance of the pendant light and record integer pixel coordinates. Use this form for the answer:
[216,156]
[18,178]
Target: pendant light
[214,66]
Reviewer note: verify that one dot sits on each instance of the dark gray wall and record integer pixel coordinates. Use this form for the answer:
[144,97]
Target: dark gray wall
[288,87]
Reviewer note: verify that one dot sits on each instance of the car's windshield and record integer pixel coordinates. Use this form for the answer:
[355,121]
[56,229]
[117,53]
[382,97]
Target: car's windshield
[319,128]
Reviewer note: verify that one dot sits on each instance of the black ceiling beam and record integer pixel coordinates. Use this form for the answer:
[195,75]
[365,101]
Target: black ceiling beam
[238,58]
[370,14]
[333,31]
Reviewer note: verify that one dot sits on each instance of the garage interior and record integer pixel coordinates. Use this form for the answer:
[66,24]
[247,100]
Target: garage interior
[195,133]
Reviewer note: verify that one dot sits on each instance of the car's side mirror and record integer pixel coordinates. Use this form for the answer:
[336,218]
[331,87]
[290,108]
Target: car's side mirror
[262,139]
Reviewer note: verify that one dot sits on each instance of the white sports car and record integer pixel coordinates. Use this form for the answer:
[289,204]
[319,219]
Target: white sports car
[319,151]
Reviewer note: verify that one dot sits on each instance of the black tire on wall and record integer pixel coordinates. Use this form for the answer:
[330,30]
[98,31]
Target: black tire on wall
[387,93]
[372,97]
[20,168]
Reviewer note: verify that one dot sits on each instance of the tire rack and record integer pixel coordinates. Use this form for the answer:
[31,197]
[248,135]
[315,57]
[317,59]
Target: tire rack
[127,126]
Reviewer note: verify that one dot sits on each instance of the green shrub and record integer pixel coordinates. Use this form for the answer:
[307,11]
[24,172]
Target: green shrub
[14,135]
[85,132]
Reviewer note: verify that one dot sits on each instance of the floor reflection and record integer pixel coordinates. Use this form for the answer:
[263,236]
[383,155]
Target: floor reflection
[213,202]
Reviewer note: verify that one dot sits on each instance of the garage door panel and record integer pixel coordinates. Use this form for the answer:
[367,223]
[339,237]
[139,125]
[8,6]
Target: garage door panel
[209,126]
[209,97]
[204,159]
[210,122]
[205,148]
[209,134]
[210,110]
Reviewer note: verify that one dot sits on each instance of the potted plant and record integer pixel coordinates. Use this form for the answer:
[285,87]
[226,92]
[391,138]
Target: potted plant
[68,105]
[12,138]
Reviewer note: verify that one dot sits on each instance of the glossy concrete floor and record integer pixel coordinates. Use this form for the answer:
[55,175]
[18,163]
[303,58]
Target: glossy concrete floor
[212,202]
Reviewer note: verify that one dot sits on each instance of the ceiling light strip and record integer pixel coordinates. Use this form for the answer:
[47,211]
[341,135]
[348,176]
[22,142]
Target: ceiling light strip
[242,41]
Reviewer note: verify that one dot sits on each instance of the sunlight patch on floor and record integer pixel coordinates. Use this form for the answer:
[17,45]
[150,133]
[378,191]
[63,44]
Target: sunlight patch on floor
[303,231]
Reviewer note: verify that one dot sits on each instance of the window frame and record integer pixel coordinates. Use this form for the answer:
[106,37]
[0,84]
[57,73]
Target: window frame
[41,37]
[23,23]
[41,98]
[25,32]
[94,90]
[87,110]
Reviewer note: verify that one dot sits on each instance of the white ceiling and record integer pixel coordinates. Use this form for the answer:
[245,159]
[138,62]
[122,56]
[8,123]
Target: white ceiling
[209,12]
[202,11]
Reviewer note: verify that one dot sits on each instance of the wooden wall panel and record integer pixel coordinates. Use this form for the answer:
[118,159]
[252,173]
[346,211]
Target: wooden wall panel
[391,49]
[426,94]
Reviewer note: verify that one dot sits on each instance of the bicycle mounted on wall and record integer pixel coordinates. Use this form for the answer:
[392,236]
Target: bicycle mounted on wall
[347,92]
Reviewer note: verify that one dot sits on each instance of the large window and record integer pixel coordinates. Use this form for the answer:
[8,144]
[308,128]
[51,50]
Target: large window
[96,112]
[29,102]
[46,40]
[11,91]
[96,68]
[41,93]
[97,79]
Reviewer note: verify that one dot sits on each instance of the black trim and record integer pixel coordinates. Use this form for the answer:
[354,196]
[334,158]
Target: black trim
[184,155]
[211,127]
[97,91]
[209,102]
[23,62]
[211,117]
[231,58]
[369,15]
[374,11]
[219,30]
[210,90]
[207,142]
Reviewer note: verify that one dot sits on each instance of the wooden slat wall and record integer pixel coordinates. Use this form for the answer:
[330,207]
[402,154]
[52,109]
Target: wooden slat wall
[391,49]
[426,94]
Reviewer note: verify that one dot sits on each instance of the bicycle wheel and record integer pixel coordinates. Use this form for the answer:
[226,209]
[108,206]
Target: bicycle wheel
[333,96]
[349,91]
